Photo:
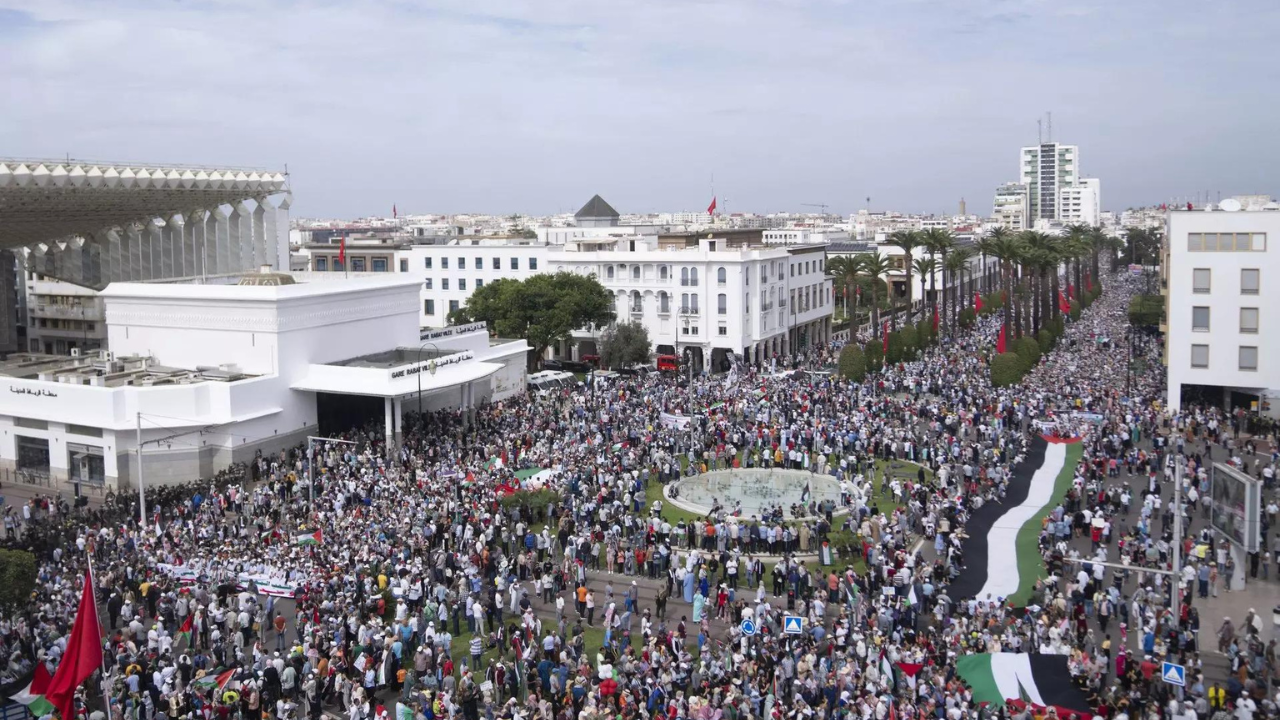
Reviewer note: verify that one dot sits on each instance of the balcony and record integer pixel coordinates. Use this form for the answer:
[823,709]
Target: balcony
[693,311]
[91,313]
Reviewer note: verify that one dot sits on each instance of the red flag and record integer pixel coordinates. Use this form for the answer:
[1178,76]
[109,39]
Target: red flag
[1063,305]
[885,347]
[342,250]
[1071,290]
[1000,341]
[977,302]
[1088,283]
[83,654]
[711,209]
[935,319]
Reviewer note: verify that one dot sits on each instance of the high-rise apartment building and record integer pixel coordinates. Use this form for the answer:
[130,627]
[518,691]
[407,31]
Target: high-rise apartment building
[1045,169]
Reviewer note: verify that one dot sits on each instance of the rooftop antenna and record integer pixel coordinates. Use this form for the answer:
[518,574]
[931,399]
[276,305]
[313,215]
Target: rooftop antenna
[1039,131]
[1049,123]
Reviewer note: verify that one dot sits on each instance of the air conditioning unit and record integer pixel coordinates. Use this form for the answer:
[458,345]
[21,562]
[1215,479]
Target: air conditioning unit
[75,352]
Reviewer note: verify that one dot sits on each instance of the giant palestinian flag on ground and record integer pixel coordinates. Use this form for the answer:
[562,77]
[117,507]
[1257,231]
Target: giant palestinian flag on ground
[1023,679]
[1001,554]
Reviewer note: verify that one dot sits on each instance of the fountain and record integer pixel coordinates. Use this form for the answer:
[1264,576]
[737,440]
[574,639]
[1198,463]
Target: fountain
[752,490]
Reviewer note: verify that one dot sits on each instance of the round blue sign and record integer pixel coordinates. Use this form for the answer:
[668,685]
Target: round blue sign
[748,627]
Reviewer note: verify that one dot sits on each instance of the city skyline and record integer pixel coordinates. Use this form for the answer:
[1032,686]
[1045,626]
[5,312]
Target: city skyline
[512,108]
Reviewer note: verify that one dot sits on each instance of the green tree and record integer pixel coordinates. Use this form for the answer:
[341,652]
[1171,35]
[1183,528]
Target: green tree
[853,363]
[17,578]
[873,270]
[544,309]
[1007,249]
[957,267]
[907,241]
[1007,369]
[940,242]
[624,344]
[874,352]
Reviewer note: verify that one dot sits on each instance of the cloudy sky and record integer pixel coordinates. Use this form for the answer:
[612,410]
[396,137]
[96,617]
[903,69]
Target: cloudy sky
[534,105]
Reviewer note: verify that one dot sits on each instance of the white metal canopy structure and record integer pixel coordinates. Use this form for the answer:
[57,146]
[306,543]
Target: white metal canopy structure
[93,223]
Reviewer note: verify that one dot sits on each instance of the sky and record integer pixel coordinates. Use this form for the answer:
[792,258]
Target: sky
[533,106]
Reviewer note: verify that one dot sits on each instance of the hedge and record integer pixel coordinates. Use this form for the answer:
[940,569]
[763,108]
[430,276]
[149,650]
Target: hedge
[1075,310]
[1007,369]
[874,354]
[1146,310]
[1028,349]
[967,317]
[1046,339]
[853,363]
[910,342]
[924,333]
[893,355]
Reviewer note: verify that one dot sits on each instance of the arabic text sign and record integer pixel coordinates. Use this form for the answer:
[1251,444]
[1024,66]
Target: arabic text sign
[426,365]
[37,392]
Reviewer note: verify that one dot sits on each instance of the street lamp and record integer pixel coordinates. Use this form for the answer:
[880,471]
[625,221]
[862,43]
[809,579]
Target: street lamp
[687,316]
[311,483]
[430,368]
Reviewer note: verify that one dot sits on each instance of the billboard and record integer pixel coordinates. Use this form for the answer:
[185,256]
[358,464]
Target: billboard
[1237,506]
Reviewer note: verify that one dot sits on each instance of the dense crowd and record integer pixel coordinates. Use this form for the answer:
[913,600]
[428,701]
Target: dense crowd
[522,563]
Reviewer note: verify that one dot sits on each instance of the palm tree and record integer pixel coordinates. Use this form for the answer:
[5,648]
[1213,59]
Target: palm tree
[1006,248]
[845,269]
[1041,257]
[925,267]
[874,268]
[985,244]
[939,242]
[1079,243]
[956,265]
[907,241]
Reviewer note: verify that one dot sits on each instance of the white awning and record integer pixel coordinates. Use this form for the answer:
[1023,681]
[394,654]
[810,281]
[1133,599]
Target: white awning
[379,382]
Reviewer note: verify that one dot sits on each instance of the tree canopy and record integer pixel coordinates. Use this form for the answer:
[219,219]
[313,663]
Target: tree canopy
[17,578]
[624,344]
[544,309]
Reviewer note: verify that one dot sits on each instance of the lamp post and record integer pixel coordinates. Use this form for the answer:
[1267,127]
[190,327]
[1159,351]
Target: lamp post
[311,483]
[431,368]
[687,316]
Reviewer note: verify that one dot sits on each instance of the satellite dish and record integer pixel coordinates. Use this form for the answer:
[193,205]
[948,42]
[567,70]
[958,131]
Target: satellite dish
[1229,205]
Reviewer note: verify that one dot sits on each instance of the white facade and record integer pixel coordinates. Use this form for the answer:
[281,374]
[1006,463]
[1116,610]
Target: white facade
[1045,169]
[1222,294]
[226,370]
[1012,208]
[1081,203]
[805,236]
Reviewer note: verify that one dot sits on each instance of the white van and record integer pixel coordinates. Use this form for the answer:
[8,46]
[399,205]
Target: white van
[548,380]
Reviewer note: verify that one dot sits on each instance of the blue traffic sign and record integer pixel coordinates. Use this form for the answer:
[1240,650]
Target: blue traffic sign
[748,627]
[792,624]
[1174,674]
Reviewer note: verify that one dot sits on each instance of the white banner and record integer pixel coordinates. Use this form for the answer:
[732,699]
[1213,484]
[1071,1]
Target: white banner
[667,419]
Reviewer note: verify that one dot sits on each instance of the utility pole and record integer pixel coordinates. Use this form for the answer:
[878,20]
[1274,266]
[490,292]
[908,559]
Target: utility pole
[1177,539]
[142,495]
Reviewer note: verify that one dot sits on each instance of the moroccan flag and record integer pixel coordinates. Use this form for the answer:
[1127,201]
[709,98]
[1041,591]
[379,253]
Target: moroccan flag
[711,209]
[1041,679]
[1000,341]
[1063,305]
[935,319]
[33,695]
[312,538]
[1071,290]
[83,654]
[886,338]
[342,250]
[185,630]
[1088,283]
[977,302]
[910,671]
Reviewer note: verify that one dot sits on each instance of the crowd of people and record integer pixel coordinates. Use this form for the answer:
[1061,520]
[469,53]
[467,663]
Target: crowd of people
[440,578]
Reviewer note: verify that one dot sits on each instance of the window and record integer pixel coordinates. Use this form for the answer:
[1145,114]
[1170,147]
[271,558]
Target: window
[722,276]
[684,276]
[496,263]
[444,263]
[379,264]
[693,303]
[1226,242]
[690,329]
[357,264]
[1200,280]
[1249,281]
[533,263]
[479,283]
[453,306]
[515,263]
[426,263]
[723,330]
[764,273]
[722,304]
[462,263]
[635,272]
[1248,357]
[462,284]
[664,272]
[664,302]
[637,303]
[1199,356]
[322,264]
[428,307]
[1248,320]
[1200,319]
[404,264]
[444,284]
[608,272]
[693,277]
[427,283]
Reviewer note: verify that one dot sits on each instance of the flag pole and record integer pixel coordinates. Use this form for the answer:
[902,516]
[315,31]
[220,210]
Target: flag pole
[106,694]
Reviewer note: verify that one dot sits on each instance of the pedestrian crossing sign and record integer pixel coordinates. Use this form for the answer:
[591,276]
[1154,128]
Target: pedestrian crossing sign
[1174,674]
[792,624]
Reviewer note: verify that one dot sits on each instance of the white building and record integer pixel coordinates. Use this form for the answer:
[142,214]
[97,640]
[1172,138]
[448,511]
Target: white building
[805,236]
[1222,274]
[1012,208]
[1081,203]
[1045,169]
[209,374]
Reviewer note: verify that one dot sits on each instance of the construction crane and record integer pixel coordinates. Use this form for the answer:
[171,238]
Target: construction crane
[824,206]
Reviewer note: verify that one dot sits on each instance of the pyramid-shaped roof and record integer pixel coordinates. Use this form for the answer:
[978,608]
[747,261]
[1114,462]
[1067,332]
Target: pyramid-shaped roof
[596,207]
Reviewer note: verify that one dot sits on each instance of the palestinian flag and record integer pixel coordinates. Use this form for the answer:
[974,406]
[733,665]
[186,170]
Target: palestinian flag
[528,473]
[1035,679]
[32,695]
[1001,555]
[184,631]
[910,671]
[310,538]
[223,681]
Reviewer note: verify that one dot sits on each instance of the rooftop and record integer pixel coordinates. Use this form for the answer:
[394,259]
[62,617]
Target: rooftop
[394,358]
[104,369]
[596,207]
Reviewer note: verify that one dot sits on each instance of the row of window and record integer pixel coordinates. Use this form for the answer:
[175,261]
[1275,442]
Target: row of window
[358,264]
[1226,242]
[429,284]
[1248,319]
[1202,281]
[429,306]
[1246,357]
[513,263]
